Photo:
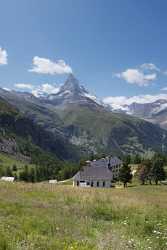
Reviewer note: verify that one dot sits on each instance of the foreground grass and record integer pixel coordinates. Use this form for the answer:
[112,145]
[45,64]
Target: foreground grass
[42,216]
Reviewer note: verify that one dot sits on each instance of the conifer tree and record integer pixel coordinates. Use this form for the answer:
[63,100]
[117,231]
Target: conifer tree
[125,174]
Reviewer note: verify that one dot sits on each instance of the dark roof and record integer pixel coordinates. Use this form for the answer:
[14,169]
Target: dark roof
[105,161]
[97,173]
[98,169]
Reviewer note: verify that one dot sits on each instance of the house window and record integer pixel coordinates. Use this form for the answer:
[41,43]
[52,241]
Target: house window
[77,183]
[91,183]
[87,183]
[103,183]
[97,183]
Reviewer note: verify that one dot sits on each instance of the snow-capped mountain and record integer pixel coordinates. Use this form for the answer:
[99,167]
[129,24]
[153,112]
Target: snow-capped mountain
[150,108]
[155,111]
[74,117]
[147,110]
[71,93]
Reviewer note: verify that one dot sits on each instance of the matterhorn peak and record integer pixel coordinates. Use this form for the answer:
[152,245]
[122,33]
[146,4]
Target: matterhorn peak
[71,84]
[72,92]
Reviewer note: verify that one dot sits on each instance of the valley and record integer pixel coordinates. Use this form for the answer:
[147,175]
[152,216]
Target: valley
[83,125]
[65,124]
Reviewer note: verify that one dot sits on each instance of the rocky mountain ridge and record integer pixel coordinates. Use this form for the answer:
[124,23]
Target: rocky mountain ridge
[155,112]
[74,119]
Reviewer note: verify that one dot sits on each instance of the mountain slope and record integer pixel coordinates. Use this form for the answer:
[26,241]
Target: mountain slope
[16,129]
[74,118]
[6,107]
[103,131]
[155,112]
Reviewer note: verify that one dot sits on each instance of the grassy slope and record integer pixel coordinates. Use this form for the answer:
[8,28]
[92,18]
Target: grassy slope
[114,132]
[16,125]
[42,216]
[9,161]
[7,108]
[10,111]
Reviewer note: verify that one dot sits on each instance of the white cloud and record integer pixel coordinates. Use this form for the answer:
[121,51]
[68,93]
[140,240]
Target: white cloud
[45,89]
[141,76]
[120,102]
[46,66]
[135,76]
[164,89]
[3,57]
[149,66]
[50,89]
[24,86]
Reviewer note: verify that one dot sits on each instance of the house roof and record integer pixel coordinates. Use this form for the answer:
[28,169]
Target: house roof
[97,170]
[105,161]
[95,173]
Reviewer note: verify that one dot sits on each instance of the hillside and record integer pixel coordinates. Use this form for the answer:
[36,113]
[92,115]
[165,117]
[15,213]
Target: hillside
[43,216]
[103,131]
[155,111]
[16,129]
[73,121]
[6,107]
[31,153]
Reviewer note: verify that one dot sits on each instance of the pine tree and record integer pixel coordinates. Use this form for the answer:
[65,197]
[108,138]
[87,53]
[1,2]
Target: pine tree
[24,175]
[137,159]
[127,159]
[8,172]
[125,174]
[14,168]
[157,171]
[32,175]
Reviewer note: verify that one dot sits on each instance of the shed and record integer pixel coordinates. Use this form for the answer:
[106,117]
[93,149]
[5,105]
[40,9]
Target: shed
[6,178]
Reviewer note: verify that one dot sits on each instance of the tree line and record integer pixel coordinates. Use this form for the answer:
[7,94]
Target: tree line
[45,166]
[148,171]
[36,173]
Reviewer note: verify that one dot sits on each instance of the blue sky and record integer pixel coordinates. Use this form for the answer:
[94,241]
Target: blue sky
[114,47]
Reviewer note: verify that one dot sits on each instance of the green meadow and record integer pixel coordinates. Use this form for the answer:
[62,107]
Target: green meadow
[62,217]
[10,161]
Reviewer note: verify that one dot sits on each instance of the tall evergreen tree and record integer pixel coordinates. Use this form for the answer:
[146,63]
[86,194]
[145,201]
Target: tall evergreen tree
[137,159]
[157,171]
[8,172]
[127,159]
[125,174]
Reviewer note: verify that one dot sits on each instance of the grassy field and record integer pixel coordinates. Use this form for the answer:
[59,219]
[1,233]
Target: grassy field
[43,216]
